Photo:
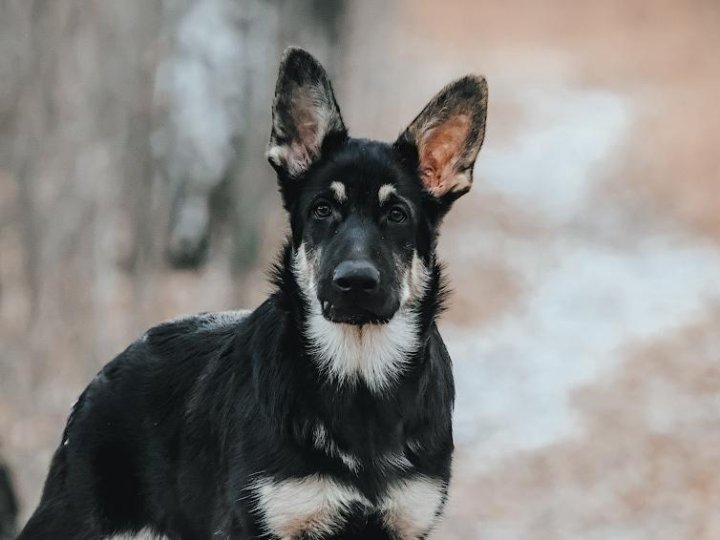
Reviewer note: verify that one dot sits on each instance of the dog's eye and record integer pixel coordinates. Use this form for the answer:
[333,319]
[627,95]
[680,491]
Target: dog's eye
[322,210]
[397,215]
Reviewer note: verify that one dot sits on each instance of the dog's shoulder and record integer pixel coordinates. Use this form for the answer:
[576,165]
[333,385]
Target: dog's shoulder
[190,337]
[169,356]
[202,326]
[155,375]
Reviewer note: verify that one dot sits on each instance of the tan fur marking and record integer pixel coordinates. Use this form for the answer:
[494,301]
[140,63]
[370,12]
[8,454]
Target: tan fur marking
[439,150]
[313,506]
[339,190]
[385,191]
[411,508]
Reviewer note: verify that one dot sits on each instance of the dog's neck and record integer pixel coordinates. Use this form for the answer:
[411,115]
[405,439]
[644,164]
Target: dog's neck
[375,354]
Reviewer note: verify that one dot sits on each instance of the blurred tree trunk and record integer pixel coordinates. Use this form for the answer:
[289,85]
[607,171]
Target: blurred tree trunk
[217,171]
[237,68]
[117,117]
[74,107]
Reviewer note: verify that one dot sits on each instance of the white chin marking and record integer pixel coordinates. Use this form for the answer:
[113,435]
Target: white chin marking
[375,353]
[378,354]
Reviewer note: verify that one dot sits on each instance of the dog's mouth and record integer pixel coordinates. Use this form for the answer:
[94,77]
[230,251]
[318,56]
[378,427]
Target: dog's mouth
[354,315]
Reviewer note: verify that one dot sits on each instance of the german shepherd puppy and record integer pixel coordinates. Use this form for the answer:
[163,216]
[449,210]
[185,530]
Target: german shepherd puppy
[326,412]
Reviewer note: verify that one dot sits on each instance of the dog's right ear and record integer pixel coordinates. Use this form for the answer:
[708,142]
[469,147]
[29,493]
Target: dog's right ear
[305,114]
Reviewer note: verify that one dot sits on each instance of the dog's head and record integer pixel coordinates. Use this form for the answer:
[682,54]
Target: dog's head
[364,214]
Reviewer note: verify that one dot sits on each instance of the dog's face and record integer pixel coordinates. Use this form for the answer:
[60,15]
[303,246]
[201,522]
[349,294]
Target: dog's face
[364,214]
[360,222]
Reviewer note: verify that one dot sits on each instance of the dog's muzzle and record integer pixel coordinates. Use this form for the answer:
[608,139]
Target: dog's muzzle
[353,294]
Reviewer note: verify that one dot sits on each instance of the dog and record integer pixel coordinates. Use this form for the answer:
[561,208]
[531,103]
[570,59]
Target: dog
[325,413]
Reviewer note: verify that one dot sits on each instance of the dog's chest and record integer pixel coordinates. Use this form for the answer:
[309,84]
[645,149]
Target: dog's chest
[318,506]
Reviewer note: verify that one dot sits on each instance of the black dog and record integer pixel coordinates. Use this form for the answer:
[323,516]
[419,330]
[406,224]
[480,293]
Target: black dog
[326,412]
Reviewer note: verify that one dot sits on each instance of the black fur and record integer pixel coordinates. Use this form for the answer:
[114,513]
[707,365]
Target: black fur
[172,433]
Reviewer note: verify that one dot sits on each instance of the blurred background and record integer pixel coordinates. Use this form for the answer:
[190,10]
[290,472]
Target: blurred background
[585,324]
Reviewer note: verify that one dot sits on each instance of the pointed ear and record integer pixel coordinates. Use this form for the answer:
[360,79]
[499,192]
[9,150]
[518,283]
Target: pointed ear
[446,137]
[305,114]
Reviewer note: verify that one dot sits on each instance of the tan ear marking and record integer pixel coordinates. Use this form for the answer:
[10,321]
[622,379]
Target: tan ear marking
[304,113]
[439,151]
[447,136]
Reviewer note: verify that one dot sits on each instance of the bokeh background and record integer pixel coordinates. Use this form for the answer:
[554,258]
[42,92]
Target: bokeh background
[585,324]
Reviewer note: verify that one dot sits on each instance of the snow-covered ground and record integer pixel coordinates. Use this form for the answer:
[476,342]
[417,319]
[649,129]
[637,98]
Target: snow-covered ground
[596,281]
[598,276]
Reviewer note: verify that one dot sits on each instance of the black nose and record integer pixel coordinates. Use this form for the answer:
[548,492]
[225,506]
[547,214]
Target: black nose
[356,276]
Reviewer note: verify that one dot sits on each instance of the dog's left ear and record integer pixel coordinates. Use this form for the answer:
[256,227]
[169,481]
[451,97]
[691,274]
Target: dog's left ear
[446,136]
[304,113]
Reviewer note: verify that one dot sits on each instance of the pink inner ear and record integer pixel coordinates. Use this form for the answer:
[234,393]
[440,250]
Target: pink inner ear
[304,116]
[439,149]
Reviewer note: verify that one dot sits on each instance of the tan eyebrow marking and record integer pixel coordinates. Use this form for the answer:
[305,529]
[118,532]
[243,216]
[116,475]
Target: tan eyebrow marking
[339,189]
[385,191]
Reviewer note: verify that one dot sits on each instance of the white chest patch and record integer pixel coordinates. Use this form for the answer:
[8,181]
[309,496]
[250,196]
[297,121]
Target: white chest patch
[377,353]
[412,507]
[314,506]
